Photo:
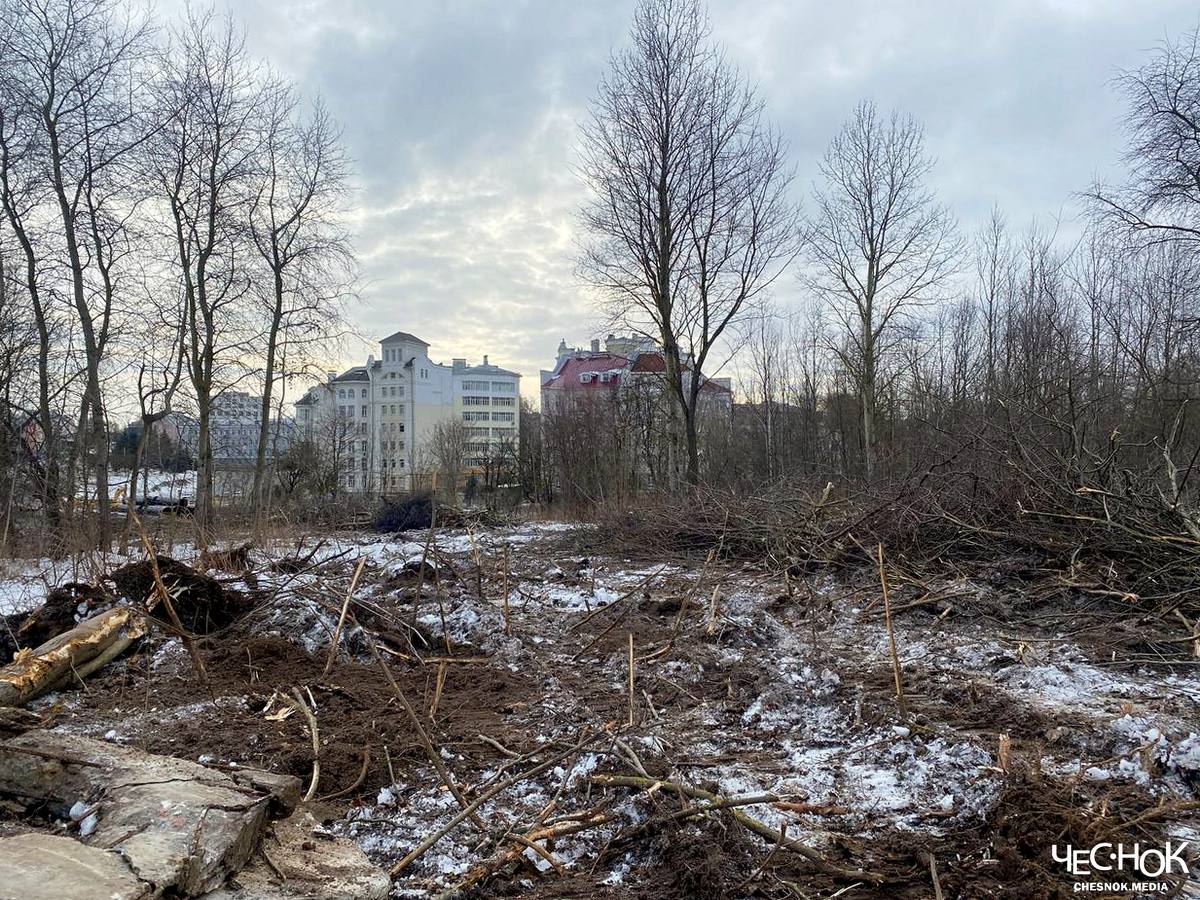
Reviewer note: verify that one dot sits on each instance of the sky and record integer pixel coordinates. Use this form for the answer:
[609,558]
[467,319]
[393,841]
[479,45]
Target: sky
[462,119]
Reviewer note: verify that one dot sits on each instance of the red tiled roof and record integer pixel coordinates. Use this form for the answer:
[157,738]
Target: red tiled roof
[567,378]
[655,362]
[649,362]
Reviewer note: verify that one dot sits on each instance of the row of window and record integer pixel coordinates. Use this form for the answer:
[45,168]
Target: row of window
[497,387]
[475,416]
[476,400]
[386,391]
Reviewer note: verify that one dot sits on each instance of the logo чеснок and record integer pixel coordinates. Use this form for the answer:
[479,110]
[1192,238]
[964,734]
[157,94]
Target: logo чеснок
[1137,861]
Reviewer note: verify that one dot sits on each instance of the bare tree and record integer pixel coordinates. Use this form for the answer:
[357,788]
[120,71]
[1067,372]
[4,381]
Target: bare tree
[22,191]
[689,220]
[204,161]
[78,68]
[879,245]
[294,223]
[447,450]
[1162,199]
[159,368]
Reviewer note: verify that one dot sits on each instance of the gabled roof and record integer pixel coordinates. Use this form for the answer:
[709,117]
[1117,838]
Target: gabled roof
[649,362]
[358,373]
[653,361]
[404,336]
[567,376]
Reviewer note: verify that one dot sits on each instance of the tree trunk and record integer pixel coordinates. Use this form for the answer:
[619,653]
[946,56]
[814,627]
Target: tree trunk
[259,490]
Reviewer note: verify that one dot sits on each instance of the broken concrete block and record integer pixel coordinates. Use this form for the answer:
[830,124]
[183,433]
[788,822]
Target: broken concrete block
[53,867]
[182,827]
[314,867]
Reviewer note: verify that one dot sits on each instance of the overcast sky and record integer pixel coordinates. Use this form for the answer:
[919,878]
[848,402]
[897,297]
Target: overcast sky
[462,118]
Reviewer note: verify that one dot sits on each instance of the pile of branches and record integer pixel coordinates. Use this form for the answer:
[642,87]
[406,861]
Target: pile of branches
[780,525]
[1097,526]
[420,510]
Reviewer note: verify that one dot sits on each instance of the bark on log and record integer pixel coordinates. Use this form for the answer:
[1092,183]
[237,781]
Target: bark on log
[73,654]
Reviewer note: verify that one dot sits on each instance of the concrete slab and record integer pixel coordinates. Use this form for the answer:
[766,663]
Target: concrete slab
[54,867]
[181,827]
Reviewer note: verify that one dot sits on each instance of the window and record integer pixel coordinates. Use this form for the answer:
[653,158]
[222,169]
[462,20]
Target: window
[503,387]
[503,401]
[475,385]
[477,401]
[364,409]
[504,417]
[469,416]
[341,393]
[364,392]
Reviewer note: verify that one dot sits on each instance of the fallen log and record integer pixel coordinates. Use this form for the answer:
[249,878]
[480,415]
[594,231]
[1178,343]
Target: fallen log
[74,654]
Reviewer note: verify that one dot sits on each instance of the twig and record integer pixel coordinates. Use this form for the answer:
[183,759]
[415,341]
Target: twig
[165,596]
[933,876]
[434,757]
[316,744]
[887,614]
[507,623]
[362,776]
[337,632]
[424,562]
[469,810]
[599,609]
[495,743]
[632,695]
[759,828]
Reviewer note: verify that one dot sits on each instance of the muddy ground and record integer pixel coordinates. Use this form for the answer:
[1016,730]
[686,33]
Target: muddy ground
[1018,727]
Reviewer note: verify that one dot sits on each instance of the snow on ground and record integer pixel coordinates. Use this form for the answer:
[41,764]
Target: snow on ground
[761,694]
[787,716]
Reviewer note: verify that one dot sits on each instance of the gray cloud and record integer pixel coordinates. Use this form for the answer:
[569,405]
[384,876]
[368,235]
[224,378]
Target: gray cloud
[462,118]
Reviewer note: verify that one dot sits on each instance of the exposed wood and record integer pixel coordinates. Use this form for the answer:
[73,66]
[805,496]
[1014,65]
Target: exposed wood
[72,654]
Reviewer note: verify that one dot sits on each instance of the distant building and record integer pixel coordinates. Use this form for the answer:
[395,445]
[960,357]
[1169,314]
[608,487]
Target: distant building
[378,419]
[621,365]
[234,427]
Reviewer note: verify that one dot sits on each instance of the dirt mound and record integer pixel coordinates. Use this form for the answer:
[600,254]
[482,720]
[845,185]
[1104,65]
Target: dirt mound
[200,601]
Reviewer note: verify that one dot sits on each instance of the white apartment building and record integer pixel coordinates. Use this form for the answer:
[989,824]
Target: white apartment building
[376,420]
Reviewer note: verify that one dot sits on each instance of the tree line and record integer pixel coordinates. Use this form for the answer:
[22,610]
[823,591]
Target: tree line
[171,228]
[917,348]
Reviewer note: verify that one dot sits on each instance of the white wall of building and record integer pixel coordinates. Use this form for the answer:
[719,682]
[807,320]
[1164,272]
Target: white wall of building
[383,414]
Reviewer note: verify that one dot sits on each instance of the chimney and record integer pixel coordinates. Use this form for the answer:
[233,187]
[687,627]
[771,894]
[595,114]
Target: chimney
[595,345]
[331,374]
[485,362]
[460,363]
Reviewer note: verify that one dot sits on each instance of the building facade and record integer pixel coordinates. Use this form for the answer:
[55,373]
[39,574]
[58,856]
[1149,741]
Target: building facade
[234,427]
[618,366]
[376,422]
